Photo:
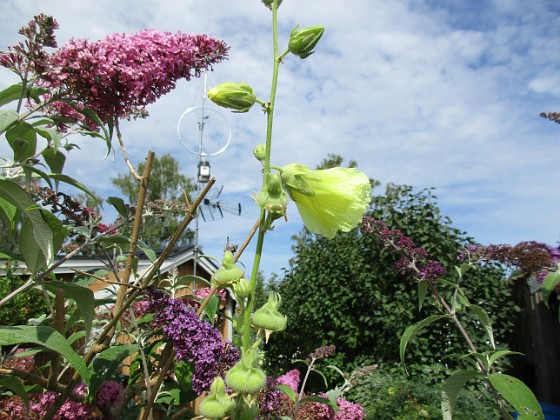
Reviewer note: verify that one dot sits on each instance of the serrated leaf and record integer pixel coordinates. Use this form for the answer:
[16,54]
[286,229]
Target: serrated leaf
[456,382]
[518,395]
[550,282]
[83,297]
[15,385]
[412,330]
[47,337]
[7,118]
[485,321]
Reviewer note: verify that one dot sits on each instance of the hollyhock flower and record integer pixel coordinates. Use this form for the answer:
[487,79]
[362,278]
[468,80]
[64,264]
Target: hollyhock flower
[122,73]
[328,200]
[195,341]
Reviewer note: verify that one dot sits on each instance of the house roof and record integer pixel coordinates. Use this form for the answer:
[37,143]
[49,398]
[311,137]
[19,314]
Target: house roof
[176,257]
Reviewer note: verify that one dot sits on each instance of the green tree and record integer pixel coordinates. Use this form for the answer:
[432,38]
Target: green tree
[347,292]
[165,199]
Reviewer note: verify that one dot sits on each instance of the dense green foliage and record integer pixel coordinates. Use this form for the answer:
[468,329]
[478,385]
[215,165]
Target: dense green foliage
[347,291]
[24,306]
[387,394]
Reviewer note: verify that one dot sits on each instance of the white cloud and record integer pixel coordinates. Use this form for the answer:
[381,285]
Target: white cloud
[439,93]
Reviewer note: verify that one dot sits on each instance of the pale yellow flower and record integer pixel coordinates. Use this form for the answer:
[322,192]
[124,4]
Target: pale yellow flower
[328,200]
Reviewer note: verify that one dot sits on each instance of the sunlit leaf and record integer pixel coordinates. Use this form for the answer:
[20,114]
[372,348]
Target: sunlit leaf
[518,395]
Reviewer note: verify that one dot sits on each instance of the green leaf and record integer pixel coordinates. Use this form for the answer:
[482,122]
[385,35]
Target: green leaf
[36,242]
[83,297]
[115,239]
[23,141]
[485,321]
[55,159]
[7,118]
[47,337]
[106,364]
[16,91]
[412,330]
[11,93]
[456,382]
[71,181]
[8,213]
[501,353]
[150,253]
[119,205]
[518,395]
[211,309]
[288,391]
[15,385]
[549,284]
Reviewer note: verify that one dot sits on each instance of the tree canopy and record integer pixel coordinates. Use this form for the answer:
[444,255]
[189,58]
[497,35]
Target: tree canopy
[165,199]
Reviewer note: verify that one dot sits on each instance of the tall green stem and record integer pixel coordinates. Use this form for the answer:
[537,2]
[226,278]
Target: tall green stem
[246,339]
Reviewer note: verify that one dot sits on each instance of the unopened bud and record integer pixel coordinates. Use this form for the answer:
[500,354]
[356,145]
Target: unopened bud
[237,96]
[302,41]
[260,152]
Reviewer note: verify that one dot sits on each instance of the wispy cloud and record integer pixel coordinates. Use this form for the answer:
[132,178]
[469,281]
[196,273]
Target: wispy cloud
[437,93]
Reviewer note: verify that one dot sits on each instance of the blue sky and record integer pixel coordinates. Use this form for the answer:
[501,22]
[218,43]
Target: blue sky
[443,94]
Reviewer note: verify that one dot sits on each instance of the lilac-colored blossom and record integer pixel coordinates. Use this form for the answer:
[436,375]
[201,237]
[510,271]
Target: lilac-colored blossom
[195,341]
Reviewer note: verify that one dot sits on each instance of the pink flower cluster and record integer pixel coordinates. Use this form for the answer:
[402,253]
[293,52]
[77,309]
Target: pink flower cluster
[40,403]
[121,74]
[271,401]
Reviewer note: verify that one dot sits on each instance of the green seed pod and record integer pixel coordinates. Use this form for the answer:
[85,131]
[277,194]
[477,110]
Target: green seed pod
[302,41]
[244,376]
[237,96]
[228,273]
[268,318]
[218,404]
[242,289]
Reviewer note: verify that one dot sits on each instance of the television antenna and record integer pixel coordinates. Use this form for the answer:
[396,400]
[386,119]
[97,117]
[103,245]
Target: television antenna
[211,207]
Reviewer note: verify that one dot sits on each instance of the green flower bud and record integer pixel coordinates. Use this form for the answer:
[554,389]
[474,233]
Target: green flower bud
[268,318]
[244,376]
[242,289]
[218,404]
[236,96]
[268,3]
[302,41]
[260,152]
[272,197]
[228,273]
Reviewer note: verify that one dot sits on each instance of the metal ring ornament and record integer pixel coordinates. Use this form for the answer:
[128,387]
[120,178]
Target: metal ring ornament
[202,153]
